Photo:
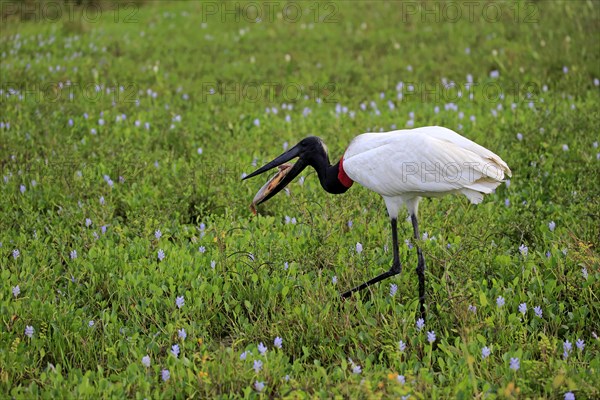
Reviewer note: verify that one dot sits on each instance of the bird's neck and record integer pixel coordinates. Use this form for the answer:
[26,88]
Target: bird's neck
[333,178]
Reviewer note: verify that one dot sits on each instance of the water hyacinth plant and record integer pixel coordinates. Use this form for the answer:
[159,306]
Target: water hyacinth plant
[133,267]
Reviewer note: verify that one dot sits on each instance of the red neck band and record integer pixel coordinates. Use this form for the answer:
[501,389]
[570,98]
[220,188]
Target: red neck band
[342,176]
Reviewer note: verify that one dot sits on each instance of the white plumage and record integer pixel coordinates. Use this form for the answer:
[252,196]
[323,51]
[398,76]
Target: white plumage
[405,165]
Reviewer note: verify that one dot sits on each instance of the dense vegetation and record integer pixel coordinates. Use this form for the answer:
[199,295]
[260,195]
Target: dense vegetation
[132,265]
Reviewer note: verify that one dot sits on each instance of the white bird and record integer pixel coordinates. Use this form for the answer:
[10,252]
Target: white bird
[402,166]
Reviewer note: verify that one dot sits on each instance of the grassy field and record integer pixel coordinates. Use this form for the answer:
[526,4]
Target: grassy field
[132,266]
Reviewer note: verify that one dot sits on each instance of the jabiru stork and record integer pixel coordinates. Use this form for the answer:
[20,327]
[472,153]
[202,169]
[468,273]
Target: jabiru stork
[403,166]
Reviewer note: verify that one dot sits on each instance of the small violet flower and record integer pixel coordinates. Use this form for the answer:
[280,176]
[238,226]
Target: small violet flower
[401,346]
[523,308]
[257,366]
[29,331]
[175,350]
[359,247]
[500,301]
[485,352]
[431,336]
[515,364]
[146,361]
[179,301]
[262,349]
[165,375]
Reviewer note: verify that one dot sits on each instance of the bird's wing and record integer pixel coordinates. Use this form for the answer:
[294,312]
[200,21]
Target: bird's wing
[412,162]
[448,135]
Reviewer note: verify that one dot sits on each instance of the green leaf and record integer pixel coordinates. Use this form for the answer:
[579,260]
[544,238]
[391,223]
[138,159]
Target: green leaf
[482,299]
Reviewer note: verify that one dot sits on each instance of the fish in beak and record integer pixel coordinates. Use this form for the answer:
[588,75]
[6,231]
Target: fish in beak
[287,173]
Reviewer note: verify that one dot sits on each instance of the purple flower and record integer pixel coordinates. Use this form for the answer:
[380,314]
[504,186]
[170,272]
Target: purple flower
[334,280]
[146,361]
[538,311]
[256,122]
[420,323]
[16,290]
[257,366]
[393,289]
[515,364]
[179,301]
[213,263]
[278,342]
[88,222]
[500,301]
[202,249]
[157,234]
[262,349]
[523,308]
[524,250]
[580,344]
[29,331]
[243,355]
[485,352]
[359,247]
[73,254]
[567,348]
[259,386]
[165,375]
[356,369]
[182,334]
[431,336]
[102,200]
[472,308]
[569,396]
[494,74]
[23,188]
[551,226]
[161,255]
[401,379]
[175,350]
[16,253]
[584,273]
[91,323]
[401,346]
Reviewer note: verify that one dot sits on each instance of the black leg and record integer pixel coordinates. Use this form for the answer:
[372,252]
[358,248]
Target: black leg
[420,267]
[396,266]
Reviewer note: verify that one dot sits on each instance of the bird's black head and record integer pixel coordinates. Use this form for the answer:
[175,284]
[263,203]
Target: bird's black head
[310,151]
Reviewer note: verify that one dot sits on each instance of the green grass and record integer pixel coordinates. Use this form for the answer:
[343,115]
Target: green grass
[359,54]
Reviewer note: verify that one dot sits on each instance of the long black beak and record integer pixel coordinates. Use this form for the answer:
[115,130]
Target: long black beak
[282,179]
[287,156]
